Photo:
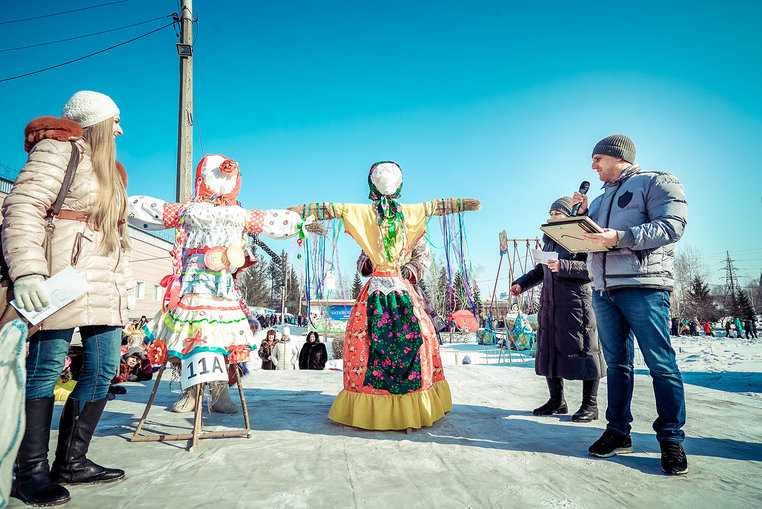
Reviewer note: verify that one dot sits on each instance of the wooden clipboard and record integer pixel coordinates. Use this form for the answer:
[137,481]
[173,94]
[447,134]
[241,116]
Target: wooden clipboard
[569,231]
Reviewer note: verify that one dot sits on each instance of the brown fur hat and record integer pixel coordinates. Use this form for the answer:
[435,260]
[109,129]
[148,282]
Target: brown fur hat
[59,129]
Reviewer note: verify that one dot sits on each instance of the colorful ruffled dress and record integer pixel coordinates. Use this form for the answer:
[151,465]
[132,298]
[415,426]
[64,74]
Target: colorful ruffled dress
[393,376]
[203,309]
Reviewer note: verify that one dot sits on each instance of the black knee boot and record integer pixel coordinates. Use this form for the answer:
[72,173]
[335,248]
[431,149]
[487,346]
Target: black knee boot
[556,404]
[74,434]
[589,409]
[33,485]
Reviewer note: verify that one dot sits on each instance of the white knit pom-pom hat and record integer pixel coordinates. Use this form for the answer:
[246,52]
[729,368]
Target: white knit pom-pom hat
[89,108]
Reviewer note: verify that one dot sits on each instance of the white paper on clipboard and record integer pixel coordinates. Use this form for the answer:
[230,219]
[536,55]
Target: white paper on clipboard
[62,289]
[540,256]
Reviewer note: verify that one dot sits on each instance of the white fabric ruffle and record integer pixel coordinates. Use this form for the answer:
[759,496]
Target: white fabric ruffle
[223,325]
[386,285]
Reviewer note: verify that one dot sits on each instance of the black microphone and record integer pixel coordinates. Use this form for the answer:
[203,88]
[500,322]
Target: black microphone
[583,187]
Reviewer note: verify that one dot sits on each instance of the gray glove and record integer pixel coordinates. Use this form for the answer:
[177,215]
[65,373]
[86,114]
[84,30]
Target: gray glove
[30,294]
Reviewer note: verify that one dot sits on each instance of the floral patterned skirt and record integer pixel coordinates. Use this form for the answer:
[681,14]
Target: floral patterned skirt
[393,376]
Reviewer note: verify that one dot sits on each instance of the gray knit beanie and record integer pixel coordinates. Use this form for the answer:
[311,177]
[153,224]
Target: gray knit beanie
[563,204]
[89,108]
[616,145]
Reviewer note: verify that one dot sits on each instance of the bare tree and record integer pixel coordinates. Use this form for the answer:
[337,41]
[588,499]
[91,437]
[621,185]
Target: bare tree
[688,266]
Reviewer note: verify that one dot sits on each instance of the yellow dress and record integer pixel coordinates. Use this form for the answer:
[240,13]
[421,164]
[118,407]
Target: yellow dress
[393,376]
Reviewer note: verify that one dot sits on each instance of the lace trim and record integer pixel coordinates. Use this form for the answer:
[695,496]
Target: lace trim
[386,285]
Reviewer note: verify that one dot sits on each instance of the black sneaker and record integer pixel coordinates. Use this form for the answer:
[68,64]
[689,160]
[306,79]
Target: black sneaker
[610,444]
[673,460]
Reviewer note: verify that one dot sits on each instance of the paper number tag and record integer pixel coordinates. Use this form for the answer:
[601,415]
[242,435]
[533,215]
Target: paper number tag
[203,367]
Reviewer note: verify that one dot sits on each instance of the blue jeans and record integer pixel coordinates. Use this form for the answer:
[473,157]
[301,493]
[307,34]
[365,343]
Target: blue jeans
[101,349]
[644,313]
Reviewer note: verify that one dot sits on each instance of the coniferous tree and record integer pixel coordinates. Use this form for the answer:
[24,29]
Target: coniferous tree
[443,294]
[293,291]
[254,284]
[699,301]
[275,277]
[424,288]
[478,306]
[745,309]
[459,299]
[356,285]
[731,305]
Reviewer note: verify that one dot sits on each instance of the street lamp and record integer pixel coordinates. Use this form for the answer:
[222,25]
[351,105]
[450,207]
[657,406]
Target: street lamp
[184,50]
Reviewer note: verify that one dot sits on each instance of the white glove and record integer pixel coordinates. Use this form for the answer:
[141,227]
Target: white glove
[131,301]
[30,294]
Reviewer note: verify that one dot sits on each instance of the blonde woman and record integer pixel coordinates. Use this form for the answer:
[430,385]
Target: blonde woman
[91,235]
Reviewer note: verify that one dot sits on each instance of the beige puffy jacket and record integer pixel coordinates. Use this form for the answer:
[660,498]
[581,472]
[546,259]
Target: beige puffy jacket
[74,242]
[284,355]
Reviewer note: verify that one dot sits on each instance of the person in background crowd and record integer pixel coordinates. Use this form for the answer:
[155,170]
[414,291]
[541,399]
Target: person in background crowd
[727,328]
[643,214]
[313,354]
[91,235]
[675,326]
[284,354]
[747,329]
[134,367]
[708,329]
[567,341]
[266,349]
[739,328]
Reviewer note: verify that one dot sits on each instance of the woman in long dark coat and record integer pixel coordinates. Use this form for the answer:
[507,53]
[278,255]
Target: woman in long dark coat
[313,354]
[567,341]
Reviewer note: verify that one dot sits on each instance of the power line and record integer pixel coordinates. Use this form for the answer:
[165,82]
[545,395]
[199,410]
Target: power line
[62,12]
[86,56]
[83,36]
[198,128]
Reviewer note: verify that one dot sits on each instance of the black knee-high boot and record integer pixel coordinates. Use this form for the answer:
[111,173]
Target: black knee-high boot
[33,485]
[556,404]
[74,435]
[589,409]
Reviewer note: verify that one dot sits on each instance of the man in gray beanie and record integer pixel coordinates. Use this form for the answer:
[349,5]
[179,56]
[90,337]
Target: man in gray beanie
[643,214]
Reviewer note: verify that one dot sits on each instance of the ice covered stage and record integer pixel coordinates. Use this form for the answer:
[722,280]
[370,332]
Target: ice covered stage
[490,451]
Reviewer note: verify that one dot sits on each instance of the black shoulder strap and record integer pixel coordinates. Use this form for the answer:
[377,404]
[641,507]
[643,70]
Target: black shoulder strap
[71,170]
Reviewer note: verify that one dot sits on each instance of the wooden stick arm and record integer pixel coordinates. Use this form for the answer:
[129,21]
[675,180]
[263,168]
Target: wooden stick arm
[321,211]
[445,206]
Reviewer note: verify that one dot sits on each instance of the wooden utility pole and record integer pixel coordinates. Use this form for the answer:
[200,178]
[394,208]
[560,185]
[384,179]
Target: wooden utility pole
[185,120]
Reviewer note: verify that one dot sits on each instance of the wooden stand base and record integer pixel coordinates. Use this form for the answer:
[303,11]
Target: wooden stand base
[197,433]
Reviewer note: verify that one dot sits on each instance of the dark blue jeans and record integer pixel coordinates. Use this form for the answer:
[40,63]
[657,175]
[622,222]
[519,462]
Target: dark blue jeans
[101,349]
[644,313]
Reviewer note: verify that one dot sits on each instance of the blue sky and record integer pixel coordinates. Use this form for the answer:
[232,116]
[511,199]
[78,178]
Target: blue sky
[499,101]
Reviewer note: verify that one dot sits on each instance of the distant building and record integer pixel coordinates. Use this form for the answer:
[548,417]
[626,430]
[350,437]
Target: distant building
[150,263]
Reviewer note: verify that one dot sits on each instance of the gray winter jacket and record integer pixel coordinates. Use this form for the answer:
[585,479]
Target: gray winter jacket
[649,211]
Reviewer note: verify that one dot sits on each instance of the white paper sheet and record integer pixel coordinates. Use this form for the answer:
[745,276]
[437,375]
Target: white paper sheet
[540,256]
[203,367]
[62,289]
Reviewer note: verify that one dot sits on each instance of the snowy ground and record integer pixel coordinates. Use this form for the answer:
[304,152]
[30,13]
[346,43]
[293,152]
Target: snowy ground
[490,451]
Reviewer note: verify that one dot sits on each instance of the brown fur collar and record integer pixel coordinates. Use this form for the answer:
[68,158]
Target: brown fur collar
[42,128]
[122,172]
[59,129]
